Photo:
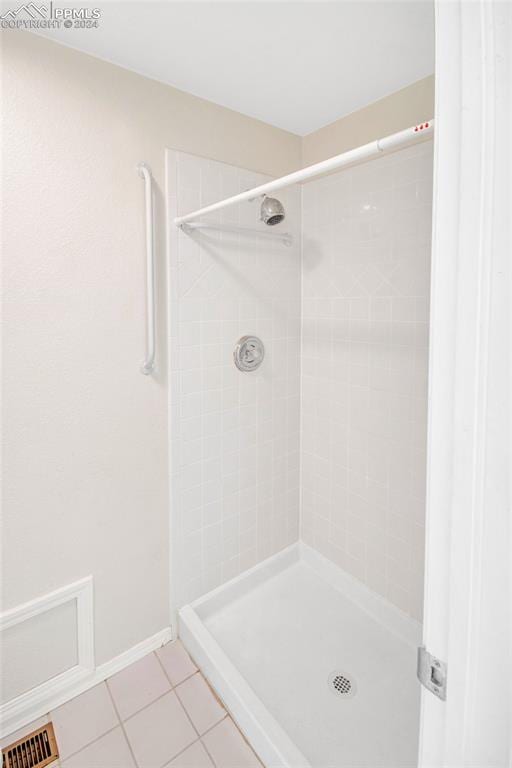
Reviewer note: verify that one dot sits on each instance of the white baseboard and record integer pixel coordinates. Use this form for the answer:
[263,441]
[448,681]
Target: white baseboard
[39,701]
[134,654]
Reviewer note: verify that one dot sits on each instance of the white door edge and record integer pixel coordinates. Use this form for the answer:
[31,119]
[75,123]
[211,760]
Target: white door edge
[468,592]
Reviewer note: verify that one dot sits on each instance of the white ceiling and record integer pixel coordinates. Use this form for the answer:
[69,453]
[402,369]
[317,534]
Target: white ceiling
[296,65]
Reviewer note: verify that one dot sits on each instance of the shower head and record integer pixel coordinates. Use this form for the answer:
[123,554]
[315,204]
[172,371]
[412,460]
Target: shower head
[272,211]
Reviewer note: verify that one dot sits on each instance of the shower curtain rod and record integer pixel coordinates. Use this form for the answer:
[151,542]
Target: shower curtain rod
[353,156]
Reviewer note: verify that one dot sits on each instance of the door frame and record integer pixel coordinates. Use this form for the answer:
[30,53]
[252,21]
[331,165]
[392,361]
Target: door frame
[468,590]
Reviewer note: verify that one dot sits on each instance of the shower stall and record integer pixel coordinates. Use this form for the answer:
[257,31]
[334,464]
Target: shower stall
[298,477]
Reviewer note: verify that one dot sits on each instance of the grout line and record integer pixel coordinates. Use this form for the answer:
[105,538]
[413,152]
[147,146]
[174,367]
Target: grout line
[146,706]
[164,670]
[187,714]
[210,729]
[226,712]
[214,692]
[227,715]
[185,678]
[122,724]
[151,702]
[180,753]
[208,751]
[216,698]
[242,734]
[174,688]
[205,747]
[89,743]
[194,727]
[197,741]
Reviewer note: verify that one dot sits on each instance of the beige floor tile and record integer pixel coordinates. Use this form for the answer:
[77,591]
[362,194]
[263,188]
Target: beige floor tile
[203,708]
[109,751]
[138,685]
[228,748]
[83,719]
[193,757]
[176,662]
[159,732]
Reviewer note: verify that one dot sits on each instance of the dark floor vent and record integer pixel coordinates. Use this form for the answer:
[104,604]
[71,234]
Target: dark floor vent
[39,748]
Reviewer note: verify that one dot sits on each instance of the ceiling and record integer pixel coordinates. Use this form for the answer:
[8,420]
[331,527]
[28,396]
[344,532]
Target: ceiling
[295,65]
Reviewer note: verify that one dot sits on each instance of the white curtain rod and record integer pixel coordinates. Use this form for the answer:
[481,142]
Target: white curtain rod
[373,149]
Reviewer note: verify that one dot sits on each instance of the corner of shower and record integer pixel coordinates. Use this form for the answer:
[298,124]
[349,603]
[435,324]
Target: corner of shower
[292,413]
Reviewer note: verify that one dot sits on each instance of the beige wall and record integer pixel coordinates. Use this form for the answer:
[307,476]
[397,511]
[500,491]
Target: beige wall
[85,471]
[401,109]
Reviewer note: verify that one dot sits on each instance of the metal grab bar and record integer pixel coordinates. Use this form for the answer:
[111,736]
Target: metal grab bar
[149,361]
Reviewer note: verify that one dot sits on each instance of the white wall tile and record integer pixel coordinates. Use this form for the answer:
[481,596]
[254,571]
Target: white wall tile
[235,464]
[366,282]
[357,379]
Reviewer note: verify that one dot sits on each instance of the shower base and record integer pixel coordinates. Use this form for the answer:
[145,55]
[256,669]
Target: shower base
[316,669]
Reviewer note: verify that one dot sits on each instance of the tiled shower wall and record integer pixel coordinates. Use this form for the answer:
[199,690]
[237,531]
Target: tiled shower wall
[366,282]
[234,436]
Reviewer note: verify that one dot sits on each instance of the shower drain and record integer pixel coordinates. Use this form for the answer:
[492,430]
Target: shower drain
[341,684]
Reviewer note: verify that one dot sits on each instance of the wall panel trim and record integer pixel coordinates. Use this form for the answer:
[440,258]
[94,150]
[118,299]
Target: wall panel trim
[18,712]
[81,592]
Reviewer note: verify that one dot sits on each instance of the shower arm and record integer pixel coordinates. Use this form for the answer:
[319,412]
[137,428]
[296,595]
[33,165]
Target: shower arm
[352,157]
[149,361]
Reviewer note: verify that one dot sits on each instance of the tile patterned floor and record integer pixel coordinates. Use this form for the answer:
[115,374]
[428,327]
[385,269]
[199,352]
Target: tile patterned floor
[158,712]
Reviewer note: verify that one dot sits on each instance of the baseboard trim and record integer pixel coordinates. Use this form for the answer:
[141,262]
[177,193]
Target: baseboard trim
[39,701]
[134,654]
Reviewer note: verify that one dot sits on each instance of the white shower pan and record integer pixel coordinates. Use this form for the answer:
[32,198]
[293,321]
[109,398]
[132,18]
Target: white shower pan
[271,642]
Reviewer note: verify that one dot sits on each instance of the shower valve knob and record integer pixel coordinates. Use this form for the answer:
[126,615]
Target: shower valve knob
[249,353]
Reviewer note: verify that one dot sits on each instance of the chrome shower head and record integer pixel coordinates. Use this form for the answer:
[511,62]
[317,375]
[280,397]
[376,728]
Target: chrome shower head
[272,211]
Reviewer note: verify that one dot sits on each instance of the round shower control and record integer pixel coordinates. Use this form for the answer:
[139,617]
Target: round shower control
[249,353]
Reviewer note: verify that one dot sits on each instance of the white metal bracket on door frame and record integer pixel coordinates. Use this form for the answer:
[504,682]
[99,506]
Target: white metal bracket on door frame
[432,673]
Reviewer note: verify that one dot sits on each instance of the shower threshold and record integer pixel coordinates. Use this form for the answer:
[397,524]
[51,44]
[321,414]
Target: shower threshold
[317,669]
